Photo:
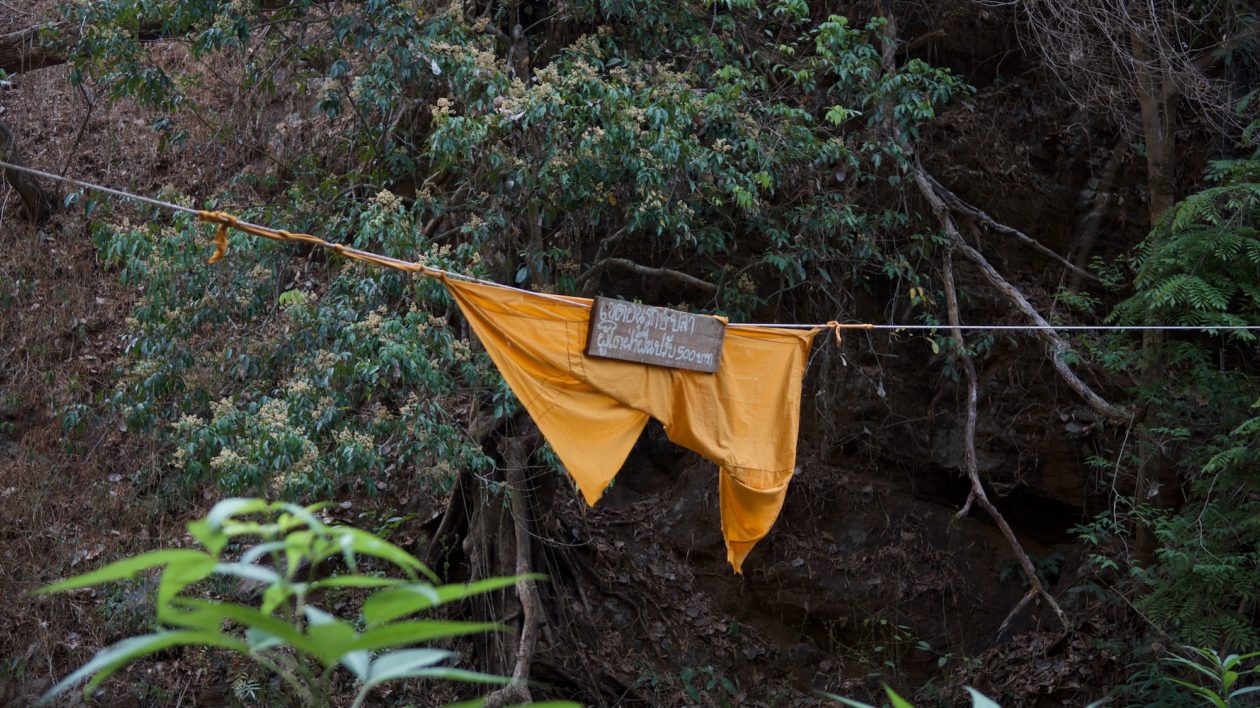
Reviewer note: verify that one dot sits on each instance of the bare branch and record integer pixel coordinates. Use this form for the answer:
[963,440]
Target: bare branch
[1104,50]
[957,204]
[1056,344]
[978,494]
[627,264]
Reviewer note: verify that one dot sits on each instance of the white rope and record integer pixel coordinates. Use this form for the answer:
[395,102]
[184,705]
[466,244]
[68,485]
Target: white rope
[843,326]
[1014,328]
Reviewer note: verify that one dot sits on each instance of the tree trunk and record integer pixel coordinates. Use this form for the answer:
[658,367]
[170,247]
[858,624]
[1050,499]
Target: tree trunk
[1089,226]
[23,50]
[515,457]
[1157,99]
[38,205]
[1158,106]
[499,543]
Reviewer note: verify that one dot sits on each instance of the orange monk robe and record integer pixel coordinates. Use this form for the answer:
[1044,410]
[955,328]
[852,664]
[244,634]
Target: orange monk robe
[744,417]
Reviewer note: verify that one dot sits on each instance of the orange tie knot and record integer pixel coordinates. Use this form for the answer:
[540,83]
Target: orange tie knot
[834,326]
[218,217]
[220,244]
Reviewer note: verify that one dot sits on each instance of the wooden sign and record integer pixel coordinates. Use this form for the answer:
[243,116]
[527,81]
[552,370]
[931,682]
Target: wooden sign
[655,335]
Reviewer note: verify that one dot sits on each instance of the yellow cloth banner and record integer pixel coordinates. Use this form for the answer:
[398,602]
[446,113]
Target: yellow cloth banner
[744,417]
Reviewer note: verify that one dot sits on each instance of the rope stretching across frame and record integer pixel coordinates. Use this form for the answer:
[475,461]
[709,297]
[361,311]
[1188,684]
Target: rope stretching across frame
[226,222]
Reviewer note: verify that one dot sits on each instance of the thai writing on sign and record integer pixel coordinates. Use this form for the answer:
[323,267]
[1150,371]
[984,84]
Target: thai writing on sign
[655,335]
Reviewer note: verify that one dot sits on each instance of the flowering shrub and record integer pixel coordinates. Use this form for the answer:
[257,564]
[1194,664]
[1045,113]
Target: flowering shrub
[280,383]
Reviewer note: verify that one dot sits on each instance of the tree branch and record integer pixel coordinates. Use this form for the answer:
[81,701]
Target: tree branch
[627,264]
[957,204]
[1056,344]
[977,493]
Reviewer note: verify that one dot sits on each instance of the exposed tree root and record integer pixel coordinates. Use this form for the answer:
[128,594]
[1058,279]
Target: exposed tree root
[444,544]
[516,455]
[977,493]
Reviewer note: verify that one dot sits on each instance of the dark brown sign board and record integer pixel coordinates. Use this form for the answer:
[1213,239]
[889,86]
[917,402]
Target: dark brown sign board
[657,336]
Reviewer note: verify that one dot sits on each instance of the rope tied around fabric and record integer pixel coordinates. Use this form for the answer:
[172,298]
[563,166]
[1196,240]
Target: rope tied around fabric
[225,222]
[835,326]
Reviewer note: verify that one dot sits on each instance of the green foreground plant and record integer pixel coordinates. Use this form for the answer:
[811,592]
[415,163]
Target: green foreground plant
[275,552]
[1224,674]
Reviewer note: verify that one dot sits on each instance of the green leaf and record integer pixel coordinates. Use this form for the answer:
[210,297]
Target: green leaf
[1228,679]
[359,664]
[979,700]
[896,700]
[116,656]
[352,540]
[1208,694]
[260,640]
[1194,665]
[297,516]
[249,571]
[403,664]
[354,581]
[388,605]
[209,531]
[253,619]
[333,636]
[127,568]
[449,674]
[252,555]
[844,701]
[180,575]
[401,633]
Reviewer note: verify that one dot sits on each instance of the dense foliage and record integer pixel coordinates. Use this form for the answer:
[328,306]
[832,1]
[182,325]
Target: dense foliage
[755,173]
[1200,265]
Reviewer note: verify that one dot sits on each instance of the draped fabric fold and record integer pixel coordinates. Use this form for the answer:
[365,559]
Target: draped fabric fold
[744,417]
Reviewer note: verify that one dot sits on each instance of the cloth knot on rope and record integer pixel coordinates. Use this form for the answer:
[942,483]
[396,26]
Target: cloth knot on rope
[225,222]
